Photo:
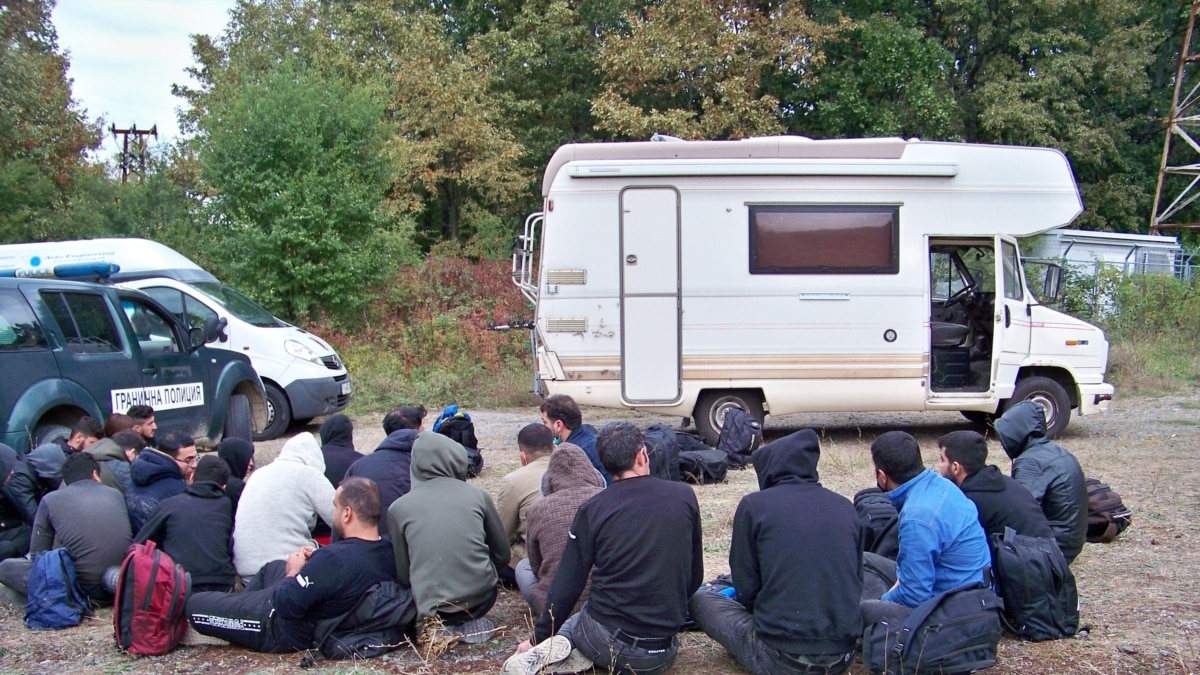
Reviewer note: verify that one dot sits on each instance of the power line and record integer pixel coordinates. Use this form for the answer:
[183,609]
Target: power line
[134,160]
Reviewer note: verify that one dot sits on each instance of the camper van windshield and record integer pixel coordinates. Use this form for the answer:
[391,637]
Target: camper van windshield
[239,305]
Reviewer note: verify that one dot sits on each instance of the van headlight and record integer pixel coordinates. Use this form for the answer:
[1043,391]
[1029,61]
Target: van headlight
[300,351]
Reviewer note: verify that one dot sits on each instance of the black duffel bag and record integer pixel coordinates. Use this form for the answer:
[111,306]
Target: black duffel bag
[952,632]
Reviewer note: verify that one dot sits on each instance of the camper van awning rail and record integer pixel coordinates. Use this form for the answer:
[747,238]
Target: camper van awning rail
[761,167]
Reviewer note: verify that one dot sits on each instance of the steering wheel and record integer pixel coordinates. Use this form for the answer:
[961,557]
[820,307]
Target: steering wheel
[962,295]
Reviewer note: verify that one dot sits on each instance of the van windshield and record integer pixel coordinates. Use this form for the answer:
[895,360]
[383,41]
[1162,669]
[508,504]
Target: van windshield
[238,305]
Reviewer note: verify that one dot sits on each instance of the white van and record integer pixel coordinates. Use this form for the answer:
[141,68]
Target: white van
[786,275]
[302,374]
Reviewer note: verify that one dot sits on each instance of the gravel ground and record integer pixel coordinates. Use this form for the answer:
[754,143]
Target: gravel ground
[1139,594]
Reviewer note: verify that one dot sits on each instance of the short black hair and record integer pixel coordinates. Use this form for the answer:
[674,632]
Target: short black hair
[897,454]
[129,440]
[362,495]
[89,427]
[618,444]
[966,447]
[79,466]
[212,469]
[171,442]
[116,423]
[404,417]
[564,409]
[536,439]
[140,413]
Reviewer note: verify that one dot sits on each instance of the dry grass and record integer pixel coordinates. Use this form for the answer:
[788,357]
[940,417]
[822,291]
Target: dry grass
[1139,594]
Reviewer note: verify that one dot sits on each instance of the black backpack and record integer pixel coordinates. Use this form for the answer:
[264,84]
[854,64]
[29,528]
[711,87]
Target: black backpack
[741,435]
[664,451]
[457,425]
[880,522]
[690,442]
[701,467]
[1107,515]
[952,632]
[1032,576]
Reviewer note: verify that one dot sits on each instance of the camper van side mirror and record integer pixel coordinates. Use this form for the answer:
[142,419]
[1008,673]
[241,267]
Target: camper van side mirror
[1051,282]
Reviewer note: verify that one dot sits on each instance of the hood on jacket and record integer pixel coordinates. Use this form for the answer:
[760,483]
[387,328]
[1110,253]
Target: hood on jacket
[303,448]
[987,479]
[205,489]
[437,456]
[400,440]
[1021,426]
[152,466]
[105,449]
[237,453]
[337,430]
[8,461]
[47,460]
[791,459]
[569,467]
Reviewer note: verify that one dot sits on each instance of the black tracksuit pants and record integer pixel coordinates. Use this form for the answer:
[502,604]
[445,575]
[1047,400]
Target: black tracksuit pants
[246,619]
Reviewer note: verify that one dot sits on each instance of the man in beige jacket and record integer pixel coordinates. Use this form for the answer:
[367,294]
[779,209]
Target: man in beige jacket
[521,488]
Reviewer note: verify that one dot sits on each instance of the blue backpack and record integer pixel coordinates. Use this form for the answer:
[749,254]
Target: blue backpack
[54,599]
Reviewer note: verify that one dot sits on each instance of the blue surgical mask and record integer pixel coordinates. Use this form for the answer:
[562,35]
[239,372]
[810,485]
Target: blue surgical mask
[556,440]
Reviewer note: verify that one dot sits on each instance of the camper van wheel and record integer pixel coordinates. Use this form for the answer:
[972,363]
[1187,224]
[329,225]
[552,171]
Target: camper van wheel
[237,418]
[279,414]
[979,417]
[1051,396]
[712,406]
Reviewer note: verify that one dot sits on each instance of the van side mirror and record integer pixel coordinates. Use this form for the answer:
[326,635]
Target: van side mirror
[1051,282]
[214,329]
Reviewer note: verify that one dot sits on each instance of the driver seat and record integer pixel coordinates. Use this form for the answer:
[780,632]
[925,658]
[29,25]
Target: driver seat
[946,334]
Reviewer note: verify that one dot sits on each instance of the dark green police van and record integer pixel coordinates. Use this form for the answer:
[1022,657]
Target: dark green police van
[69,349]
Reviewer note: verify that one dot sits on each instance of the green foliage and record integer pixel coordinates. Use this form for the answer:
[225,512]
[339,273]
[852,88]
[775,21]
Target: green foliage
[301,222]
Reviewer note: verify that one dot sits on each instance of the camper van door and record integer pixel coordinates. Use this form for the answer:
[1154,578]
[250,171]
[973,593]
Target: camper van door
[1013,326]
[650,303]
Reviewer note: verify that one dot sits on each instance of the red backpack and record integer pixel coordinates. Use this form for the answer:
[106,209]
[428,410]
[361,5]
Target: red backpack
[148,612]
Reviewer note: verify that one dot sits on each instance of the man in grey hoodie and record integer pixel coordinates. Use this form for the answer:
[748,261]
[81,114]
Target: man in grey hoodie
[447,535]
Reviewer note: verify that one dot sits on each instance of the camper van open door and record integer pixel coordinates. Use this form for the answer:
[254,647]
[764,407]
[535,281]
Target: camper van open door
[650,322]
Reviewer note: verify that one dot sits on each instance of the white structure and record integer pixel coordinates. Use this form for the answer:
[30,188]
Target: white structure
[790,275]
[1088,251]
[303,376]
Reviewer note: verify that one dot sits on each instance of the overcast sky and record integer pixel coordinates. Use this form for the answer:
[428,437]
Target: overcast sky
[126,54]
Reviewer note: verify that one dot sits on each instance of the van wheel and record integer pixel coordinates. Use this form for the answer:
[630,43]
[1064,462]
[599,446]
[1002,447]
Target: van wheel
[712,406]
[44,433]
[237,418]
[1050,395]
[979,417]
[279,414]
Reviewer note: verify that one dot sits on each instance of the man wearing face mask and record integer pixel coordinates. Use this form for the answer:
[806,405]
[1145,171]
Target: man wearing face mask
[560,414]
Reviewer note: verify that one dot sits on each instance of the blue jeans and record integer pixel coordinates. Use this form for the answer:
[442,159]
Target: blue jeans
[605,648]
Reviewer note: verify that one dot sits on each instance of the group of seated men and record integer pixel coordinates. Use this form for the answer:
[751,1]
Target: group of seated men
[609,558]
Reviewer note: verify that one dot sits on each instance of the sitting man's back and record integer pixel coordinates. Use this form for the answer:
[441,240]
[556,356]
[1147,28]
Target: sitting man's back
[1049,472]
[797,578]
[282,604]
[640,539]
[390,465]
[1000,500]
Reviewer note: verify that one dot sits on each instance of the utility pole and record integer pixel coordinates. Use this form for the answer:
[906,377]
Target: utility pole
[135,160]
[1183,126]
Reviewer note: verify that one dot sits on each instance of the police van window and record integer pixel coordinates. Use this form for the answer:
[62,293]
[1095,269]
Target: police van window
[153,329]
[19,331]
[795,239]
[189,310]
[1012,273]
[85,322]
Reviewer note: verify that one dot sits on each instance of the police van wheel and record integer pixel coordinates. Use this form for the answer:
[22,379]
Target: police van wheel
[712,406]
[1050,395]
[279,414]
[237,418]
[44,433]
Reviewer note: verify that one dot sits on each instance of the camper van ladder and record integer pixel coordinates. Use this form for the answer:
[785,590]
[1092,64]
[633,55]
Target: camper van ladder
[522,261]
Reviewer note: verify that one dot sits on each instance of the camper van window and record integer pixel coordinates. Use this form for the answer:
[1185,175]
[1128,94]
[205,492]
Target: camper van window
[239,305]
[18,329]
[85,322]
[1012,273]
[795,239]
[189,310]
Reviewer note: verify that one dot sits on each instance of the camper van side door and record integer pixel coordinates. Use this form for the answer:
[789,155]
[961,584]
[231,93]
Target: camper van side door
[1013,327]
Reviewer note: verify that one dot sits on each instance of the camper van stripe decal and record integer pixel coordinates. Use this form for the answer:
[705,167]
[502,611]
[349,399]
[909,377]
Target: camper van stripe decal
[765,367]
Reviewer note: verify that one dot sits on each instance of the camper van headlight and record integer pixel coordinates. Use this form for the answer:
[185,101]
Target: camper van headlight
[300,351]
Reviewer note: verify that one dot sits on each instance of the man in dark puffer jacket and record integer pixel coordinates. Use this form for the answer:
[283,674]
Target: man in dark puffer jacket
[1049,472]
[389,465]
[159,474]
[18,503]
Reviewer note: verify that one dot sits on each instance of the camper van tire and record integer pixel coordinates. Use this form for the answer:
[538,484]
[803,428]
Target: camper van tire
[279,414]
[1050,395]
[713,404]
[237,418]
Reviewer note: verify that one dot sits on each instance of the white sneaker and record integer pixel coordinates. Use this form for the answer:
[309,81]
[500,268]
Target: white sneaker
[575,662]
[538,659]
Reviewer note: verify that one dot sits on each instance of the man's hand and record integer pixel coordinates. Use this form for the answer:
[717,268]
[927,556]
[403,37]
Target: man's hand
[525,646]
[295,561]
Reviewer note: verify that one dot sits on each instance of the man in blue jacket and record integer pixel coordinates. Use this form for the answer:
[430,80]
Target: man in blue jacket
[561,415]
[942,545]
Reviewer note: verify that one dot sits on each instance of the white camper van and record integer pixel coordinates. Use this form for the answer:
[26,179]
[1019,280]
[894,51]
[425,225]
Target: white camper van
[302,374]
[786,275]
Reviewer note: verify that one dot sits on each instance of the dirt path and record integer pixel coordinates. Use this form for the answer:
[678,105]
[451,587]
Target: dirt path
[1139,594]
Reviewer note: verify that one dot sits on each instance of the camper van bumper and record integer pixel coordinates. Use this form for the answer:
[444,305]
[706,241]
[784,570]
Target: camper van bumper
[1094,398]
[318,396]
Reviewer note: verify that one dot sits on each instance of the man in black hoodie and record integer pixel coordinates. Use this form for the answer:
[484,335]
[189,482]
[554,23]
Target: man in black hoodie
[797,579]
[1049,472]
[337,445]
[238,453]
[18,503]
[196,528]
[389,465]
[1001,501]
